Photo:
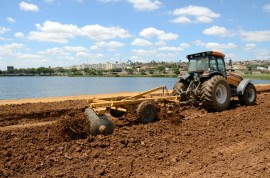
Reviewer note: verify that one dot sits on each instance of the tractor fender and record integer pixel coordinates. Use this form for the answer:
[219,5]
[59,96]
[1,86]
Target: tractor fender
[242,86]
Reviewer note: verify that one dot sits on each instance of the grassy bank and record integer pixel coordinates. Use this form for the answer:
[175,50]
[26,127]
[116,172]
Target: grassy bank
[125,75]
[257,76]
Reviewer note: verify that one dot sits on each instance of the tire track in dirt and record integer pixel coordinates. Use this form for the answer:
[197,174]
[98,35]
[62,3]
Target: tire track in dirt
[25,126]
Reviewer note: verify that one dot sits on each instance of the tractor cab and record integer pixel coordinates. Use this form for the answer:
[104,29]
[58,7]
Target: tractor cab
[207,63]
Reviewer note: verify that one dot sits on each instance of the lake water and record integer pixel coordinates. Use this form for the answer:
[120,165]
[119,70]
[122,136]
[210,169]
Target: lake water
[40,87]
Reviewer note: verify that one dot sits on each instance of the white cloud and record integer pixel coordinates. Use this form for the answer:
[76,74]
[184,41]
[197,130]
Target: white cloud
[142,52]
[4,30]
[30,57]
[97,32]
[48,1]
[255,36]
[159,34]
[25,60]
[54,32]
[217,30]
[167,56]
[145,5]
[184,45]
[55,52]
[5,39]
[75,49]
[28,7]
[106,1]
[136,58]
[199,43]
[219,47]
[170,48]
[111,45]
[61,33]
[199,13]
[11,49]
[95,47]
[215,46]
[11,20]
[249,46]
[266,7]
[160,43]
[65,51]
[82,55]
[168,36]
[61,55]
[19,35]
[141,42]
[181,19]
[100,55]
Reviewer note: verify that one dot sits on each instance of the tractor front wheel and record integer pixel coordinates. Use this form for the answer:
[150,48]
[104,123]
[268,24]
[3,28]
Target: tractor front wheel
[249,96]
[216,94]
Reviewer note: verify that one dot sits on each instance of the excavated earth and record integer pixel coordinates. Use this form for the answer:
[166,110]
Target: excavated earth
[52,140]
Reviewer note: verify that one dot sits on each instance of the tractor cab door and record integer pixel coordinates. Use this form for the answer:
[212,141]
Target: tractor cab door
[217,64]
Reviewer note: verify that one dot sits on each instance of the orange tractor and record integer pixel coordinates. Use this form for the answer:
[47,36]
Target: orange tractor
[209,83]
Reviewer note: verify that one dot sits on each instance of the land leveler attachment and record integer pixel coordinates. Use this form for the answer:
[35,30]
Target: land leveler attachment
[144,105]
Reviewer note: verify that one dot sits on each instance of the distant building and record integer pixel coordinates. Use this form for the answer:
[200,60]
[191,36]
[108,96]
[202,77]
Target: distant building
[260,68]
[10,68]
[99,66]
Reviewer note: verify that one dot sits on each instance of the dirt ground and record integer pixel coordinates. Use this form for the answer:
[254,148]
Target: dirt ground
[35,142]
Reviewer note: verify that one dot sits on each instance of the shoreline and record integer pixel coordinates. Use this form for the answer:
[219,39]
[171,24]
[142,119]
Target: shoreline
[247,76]
[64,98]
[259,87]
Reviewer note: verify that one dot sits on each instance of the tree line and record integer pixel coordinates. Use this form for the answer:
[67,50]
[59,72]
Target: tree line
[33,71]
[153,67]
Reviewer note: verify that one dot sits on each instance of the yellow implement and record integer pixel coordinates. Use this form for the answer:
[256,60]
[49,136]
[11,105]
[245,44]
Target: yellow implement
[144,104]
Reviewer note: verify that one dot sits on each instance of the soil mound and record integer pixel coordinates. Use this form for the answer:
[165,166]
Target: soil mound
[74,128]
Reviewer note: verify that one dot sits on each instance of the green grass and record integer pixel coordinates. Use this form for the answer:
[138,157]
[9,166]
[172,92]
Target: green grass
[257,76]
[125,75]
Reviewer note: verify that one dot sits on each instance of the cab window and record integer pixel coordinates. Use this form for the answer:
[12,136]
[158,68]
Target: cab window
[221,66]
[213,64]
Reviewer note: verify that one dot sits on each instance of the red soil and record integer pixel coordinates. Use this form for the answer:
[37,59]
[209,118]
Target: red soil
[35,142]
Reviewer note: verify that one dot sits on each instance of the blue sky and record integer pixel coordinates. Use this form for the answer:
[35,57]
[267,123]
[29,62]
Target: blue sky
[66,32]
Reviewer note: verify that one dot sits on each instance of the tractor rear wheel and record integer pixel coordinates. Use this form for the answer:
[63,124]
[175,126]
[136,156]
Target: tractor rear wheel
[249,96]
[216,94]
[146,111]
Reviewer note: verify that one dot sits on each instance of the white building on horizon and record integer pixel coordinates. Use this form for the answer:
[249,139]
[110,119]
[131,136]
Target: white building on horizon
[99,66]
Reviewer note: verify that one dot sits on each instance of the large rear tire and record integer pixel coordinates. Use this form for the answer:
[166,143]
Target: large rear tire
[249,96]
[216,94]
[146,112]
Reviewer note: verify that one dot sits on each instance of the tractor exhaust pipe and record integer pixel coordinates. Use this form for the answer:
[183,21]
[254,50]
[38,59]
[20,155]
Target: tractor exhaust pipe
[99,125]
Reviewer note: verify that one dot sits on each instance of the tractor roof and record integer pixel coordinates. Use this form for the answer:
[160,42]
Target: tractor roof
[206,53]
